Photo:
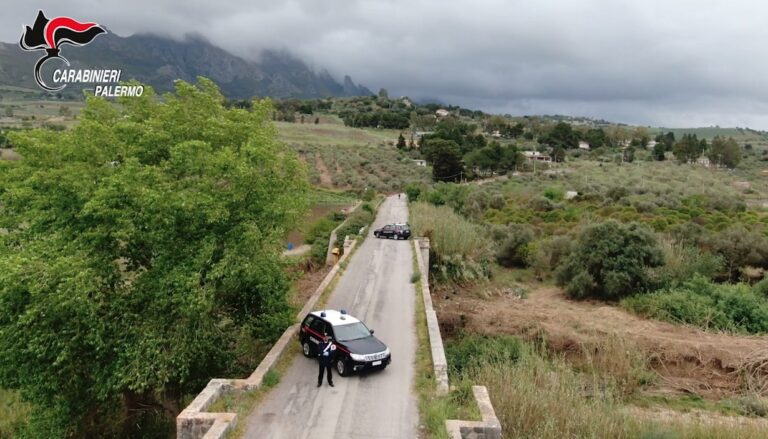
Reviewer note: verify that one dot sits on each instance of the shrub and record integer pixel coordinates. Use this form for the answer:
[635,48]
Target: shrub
[554,194]
[413,192]
[471,351]
[514,249]
[320,229]
[549,254]
[761,288]
[740,247]
[617,193]
[699,302]
[681,263]
[415,277]
[369,194]
[360,218]
[610,260]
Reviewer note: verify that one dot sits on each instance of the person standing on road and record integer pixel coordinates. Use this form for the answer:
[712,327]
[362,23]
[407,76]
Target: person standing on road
[326,351]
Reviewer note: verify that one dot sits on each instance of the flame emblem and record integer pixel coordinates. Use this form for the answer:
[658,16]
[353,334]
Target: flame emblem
[50,35]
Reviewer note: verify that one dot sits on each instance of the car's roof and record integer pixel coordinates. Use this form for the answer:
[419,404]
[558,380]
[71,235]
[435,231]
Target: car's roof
[335,318]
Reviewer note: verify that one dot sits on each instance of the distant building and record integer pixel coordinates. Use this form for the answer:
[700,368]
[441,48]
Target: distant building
[442,112]
[422,163]
[536,156]
[583,145]
[703,161]
[651,144]
[496,133]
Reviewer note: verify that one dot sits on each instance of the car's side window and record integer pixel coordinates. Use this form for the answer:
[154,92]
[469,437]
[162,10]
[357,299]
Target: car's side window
[318,326]
[308,321]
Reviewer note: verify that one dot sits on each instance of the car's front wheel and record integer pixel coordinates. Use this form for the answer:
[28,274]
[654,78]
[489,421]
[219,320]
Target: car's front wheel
[306,349]
[341,367]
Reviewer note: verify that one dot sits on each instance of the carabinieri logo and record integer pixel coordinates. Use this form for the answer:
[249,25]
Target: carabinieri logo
[50,35]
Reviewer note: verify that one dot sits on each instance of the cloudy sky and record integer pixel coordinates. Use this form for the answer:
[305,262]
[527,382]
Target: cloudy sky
[671,63]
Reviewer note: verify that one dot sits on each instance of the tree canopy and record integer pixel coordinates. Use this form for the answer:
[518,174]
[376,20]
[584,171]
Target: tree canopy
[724,152]
[141,255]
[610,260]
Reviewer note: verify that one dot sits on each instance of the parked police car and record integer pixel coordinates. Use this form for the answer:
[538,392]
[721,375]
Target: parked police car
[357,348]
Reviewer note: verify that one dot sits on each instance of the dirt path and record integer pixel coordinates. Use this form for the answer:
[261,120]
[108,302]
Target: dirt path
[325,174]
[688,360]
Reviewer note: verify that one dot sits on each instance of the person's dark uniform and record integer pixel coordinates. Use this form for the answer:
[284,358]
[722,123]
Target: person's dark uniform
[326,351]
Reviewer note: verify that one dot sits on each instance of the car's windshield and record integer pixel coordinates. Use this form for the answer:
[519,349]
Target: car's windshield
[352,331]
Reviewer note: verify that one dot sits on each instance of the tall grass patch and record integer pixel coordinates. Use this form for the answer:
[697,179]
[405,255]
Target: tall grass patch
[461,249]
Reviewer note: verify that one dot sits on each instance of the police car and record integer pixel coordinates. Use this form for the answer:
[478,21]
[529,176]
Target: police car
[357,348]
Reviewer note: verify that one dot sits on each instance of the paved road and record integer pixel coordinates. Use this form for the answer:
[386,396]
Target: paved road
[375,288]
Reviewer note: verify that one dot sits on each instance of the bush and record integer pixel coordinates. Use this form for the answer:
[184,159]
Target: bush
[514,250]
[413,192]
[549,254]
[369,194]
[699,302]
[321,229]
[610,260]
[415,277]
[740,247]
[761,288]
[360,218]
[471,351]
[681,263]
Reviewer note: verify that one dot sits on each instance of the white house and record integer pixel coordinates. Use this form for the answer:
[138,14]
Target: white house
[536,156]
[442,112]
[422,163]
[652,144]
[583,145]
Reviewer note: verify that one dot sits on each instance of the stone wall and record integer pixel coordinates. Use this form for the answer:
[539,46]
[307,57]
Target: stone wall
[329,254]
[489,427]
[439,363]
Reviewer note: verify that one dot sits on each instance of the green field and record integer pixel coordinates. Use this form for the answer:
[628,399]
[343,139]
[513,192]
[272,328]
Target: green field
[741,135]
[333,132]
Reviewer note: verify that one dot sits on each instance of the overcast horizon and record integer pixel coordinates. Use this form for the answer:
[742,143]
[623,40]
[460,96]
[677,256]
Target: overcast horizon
[644,63]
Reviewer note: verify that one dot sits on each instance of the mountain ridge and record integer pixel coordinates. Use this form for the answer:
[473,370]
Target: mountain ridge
[159,61]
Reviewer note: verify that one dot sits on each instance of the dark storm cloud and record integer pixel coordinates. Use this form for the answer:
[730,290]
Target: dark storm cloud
[674,62]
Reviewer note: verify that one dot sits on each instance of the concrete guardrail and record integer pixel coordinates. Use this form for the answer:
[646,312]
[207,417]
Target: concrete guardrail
[489,427]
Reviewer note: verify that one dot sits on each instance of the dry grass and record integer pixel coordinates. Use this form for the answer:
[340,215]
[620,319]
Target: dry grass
[544,396]
[754,372]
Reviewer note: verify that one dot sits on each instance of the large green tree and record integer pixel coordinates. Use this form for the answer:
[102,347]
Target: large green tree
[689,148]
[724,152]
[610,260]
[141,256]
[562,135]
[445,157]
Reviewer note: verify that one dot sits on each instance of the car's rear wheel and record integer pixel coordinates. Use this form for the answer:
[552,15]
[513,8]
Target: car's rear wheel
[376,234]
[306,349]
[341,367]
